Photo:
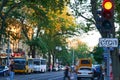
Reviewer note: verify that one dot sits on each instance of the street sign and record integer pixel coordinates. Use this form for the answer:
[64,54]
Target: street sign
[8,51]
[108,42]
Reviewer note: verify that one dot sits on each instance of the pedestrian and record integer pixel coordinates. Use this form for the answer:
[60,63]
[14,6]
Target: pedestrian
[11,69]
[50,67]
[111,75]
[67,73]
[99,72]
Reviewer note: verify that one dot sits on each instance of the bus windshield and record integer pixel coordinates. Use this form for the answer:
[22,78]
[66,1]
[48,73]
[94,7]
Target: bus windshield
[19,61]
[37,62]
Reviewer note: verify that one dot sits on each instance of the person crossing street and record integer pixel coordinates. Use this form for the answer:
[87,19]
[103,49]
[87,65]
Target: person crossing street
[67,73]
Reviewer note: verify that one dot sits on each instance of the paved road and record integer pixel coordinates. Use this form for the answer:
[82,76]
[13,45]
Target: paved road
[42,76]
[38,76]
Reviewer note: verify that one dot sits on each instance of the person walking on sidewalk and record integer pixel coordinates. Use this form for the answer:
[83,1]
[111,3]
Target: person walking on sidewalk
[11,69]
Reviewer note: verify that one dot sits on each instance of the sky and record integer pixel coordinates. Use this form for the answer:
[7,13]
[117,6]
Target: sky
[92,39]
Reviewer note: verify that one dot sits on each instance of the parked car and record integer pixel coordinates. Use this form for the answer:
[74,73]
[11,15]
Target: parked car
[61,68]
[85,72]
[55,69]
[4,70]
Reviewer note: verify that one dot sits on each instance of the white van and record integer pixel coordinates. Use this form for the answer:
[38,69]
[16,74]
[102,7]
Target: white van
[39,65]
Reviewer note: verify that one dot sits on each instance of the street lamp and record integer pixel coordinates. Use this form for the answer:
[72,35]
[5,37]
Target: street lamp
[58,48]
[73,56]
[71,51]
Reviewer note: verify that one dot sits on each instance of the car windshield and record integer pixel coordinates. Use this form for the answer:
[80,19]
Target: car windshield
[85,68]
[85,62]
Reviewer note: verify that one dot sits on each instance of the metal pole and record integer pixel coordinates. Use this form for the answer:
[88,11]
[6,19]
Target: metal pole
[107,63]
[73,58]
[8,52]
[108,66]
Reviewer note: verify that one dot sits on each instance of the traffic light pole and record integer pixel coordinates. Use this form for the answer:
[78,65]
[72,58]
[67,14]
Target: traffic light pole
[107,77]
[108,62]
[108,30]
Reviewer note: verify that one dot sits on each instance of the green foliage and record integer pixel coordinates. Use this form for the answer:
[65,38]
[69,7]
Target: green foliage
[98,54]
[64,56]
[82,51]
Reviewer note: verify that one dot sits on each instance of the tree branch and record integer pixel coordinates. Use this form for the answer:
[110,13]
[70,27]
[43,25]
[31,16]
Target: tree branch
[86,18]
[12,7]
[3,3]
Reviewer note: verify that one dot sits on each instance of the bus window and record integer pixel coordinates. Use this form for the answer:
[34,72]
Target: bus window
[43,62]
[30,61]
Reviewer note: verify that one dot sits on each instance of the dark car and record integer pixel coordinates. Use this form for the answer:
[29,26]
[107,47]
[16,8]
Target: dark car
[4,70]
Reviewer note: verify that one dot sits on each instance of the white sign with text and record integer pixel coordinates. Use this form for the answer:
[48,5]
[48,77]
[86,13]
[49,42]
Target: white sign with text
[108,42]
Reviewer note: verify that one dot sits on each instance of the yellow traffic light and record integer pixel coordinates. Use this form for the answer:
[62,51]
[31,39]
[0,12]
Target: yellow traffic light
[108,5]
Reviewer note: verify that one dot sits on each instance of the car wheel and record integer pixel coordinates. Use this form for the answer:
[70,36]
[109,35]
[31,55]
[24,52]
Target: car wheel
[4,74]
[26,72]
[92,78]
[78,78]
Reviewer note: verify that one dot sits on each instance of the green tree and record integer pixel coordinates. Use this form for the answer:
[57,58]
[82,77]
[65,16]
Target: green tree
[60,26]
[29,11]
[82,51]
[98,54]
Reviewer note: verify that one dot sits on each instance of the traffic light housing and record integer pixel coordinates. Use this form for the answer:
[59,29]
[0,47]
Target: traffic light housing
[107,15]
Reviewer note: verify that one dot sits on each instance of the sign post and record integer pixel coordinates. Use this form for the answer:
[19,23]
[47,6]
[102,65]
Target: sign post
[108,44]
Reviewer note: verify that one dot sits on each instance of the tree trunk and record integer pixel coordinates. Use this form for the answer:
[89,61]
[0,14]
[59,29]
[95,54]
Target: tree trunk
[49,60]
[33,52]
[115,64]
[53,60]
[30,52]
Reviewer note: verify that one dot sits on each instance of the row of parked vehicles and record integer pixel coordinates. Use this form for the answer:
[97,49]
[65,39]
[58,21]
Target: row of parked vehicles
[24,65]
[29,65]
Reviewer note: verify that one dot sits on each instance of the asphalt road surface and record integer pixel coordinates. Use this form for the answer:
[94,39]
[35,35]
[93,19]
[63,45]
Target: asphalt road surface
[42,76]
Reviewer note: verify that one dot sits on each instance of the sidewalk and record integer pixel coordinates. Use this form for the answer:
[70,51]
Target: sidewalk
[107,78]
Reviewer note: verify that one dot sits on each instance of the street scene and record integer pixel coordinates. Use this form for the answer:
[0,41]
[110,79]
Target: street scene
[59,40]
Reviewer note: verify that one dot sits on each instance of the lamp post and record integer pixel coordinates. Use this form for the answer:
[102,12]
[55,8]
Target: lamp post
[73,57]
[59,48]
[8,51]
